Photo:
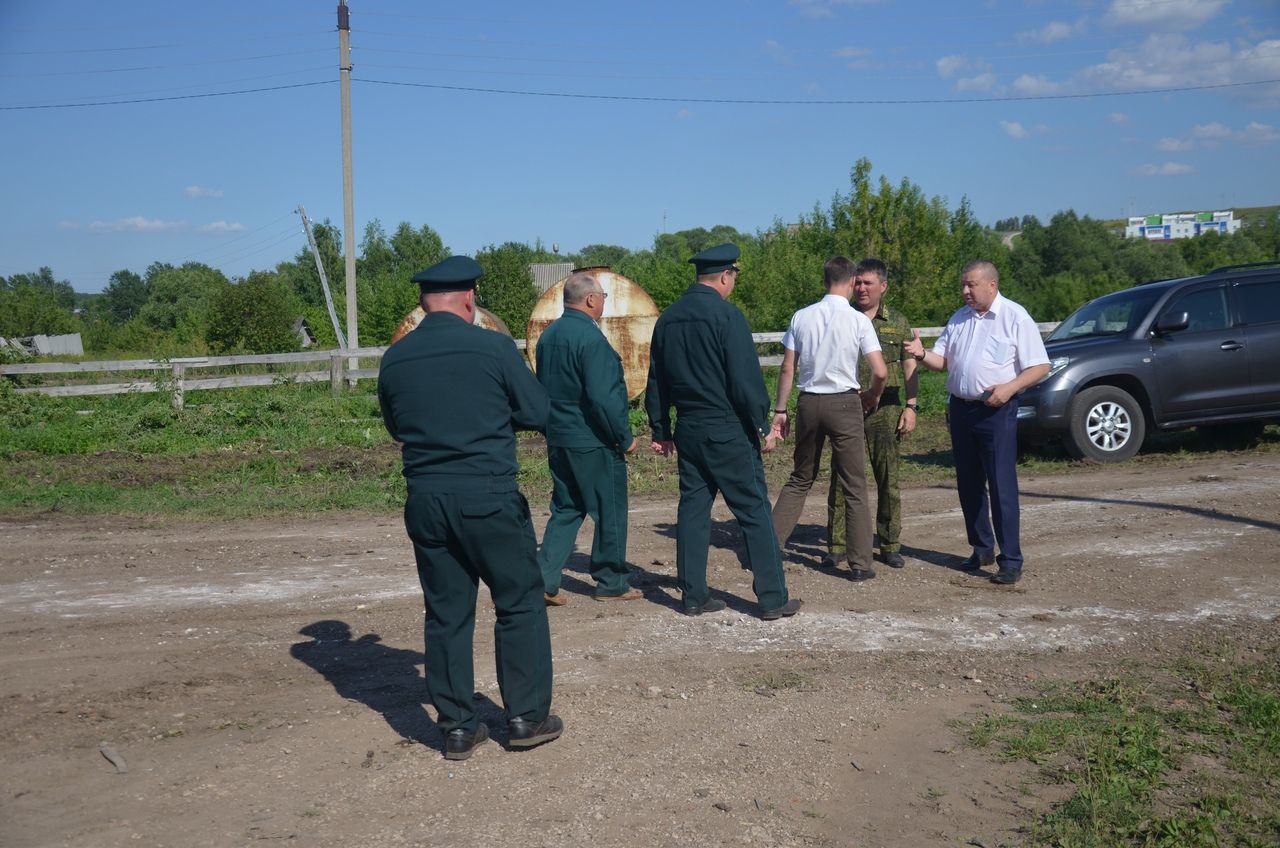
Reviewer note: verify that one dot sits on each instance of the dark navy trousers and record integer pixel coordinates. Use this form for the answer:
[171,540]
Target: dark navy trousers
[984,443]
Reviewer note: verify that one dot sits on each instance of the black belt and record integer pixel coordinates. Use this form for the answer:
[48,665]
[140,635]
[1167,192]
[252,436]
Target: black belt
[968,402]
[830,394]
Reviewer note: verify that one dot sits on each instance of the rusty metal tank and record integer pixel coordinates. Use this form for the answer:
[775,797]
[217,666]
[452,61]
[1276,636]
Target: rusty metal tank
[629,316]
[484,318]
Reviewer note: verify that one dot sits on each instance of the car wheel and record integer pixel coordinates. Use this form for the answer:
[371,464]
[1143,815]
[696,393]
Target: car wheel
[1105,425]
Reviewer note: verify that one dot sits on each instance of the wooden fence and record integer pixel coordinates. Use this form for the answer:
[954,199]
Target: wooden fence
[174,377]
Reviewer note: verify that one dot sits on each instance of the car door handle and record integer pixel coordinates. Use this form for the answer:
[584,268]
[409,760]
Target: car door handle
[1230,346]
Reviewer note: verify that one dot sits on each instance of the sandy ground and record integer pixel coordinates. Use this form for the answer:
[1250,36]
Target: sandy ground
[259,682]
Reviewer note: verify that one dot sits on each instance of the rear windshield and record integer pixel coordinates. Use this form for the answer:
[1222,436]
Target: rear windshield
[1113,314]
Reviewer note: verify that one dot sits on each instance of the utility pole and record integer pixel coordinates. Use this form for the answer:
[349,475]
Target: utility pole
[324,280]
[348,203]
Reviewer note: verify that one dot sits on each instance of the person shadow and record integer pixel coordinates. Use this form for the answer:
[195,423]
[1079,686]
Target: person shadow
[384,679]
[577,579]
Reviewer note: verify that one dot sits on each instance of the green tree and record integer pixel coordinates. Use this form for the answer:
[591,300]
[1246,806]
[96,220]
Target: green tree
[507,287]
[610,255]
[179,303]
[255,315]
[124,297]
[29,310]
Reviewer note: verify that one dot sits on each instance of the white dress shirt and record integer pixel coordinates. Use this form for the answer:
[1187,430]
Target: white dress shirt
[985,350]
[828,337]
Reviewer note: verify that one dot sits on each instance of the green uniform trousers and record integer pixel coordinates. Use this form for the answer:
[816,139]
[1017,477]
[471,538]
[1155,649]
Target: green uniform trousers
[720,458]
[459,539]
[587,481]
[881,430]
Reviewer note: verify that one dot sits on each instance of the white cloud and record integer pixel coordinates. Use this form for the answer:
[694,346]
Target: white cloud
[685,114]
[1035,85]
[1118,118]
[1168,169]
[827,8]
[136,224]
[194,191]
[68,225]
[1014,129]
[222,228]
[949,65]
[981,82]
[1162,14]
[1052,32]
[1174,145]
[1171,60]
[853,52]
[1257,133]
[1214,131]
[777,52]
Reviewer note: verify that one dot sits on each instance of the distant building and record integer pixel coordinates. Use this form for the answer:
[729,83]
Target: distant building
[547,274]
[1182,225]
[68,344]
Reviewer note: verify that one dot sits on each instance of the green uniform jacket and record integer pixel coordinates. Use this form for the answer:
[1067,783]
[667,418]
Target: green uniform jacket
[454,394]
[582,374]
[704,363]
[892,330]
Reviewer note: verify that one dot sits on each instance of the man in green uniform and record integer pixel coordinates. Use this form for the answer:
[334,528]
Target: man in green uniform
[588,434]
[703,362]
[453,394]
[893,420]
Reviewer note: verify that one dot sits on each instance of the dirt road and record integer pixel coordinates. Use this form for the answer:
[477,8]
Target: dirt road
[259,682]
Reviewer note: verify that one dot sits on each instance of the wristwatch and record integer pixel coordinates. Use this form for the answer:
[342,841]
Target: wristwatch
[914,407]
[779,412]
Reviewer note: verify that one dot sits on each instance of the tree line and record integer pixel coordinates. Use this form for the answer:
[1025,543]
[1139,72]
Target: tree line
[1051,268]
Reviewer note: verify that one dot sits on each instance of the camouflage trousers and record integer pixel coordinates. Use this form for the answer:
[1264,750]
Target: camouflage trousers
[881,429]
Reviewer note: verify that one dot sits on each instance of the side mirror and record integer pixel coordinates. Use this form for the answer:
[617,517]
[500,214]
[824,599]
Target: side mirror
[1172,321]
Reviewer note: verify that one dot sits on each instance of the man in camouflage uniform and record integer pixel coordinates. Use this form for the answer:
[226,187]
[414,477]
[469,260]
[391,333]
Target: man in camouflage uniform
[884,428]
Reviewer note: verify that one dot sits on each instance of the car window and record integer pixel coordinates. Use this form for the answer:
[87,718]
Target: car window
[1118,313]
[1207,309]
[1259,303]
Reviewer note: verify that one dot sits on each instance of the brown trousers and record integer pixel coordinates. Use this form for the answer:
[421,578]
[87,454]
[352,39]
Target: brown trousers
[838,418]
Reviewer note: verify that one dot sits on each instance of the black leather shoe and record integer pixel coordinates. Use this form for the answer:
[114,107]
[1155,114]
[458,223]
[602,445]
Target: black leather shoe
[974,562]
[459,744]
[787,610]
[859,574]
[525,734]
[1007,576]
[893,559]
[713,605]
[831,561]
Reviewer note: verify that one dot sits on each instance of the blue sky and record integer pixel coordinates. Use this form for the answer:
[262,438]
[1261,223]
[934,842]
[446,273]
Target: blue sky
[667,140]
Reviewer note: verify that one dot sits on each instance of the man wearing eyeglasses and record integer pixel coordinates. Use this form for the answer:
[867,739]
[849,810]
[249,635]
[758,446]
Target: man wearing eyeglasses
[588,434]
[703,362]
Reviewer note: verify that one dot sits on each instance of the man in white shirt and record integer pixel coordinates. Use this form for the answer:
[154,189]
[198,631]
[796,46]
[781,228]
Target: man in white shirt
[992,350]
[823,344]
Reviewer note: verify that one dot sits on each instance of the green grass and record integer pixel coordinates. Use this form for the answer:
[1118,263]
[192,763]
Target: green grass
[293,448]
[1182,756]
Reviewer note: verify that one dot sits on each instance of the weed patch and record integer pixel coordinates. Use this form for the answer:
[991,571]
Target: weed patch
[1191,758]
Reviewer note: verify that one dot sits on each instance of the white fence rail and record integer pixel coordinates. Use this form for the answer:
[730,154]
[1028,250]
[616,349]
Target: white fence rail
[174,374]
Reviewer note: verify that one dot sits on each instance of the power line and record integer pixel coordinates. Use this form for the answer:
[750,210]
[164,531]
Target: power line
[159,46]
[172,97]
[781,102]
[225,61]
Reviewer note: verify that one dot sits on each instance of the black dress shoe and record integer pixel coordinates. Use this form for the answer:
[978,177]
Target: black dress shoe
[713,605]
[459,744]
[523,733]
[976,561]
[859,574]
[893,559]
[831,561]
[1007,576]
[787,610]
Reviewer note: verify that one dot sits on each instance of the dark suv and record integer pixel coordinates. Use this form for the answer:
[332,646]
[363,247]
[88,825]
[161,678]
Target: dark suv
[1160,356]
